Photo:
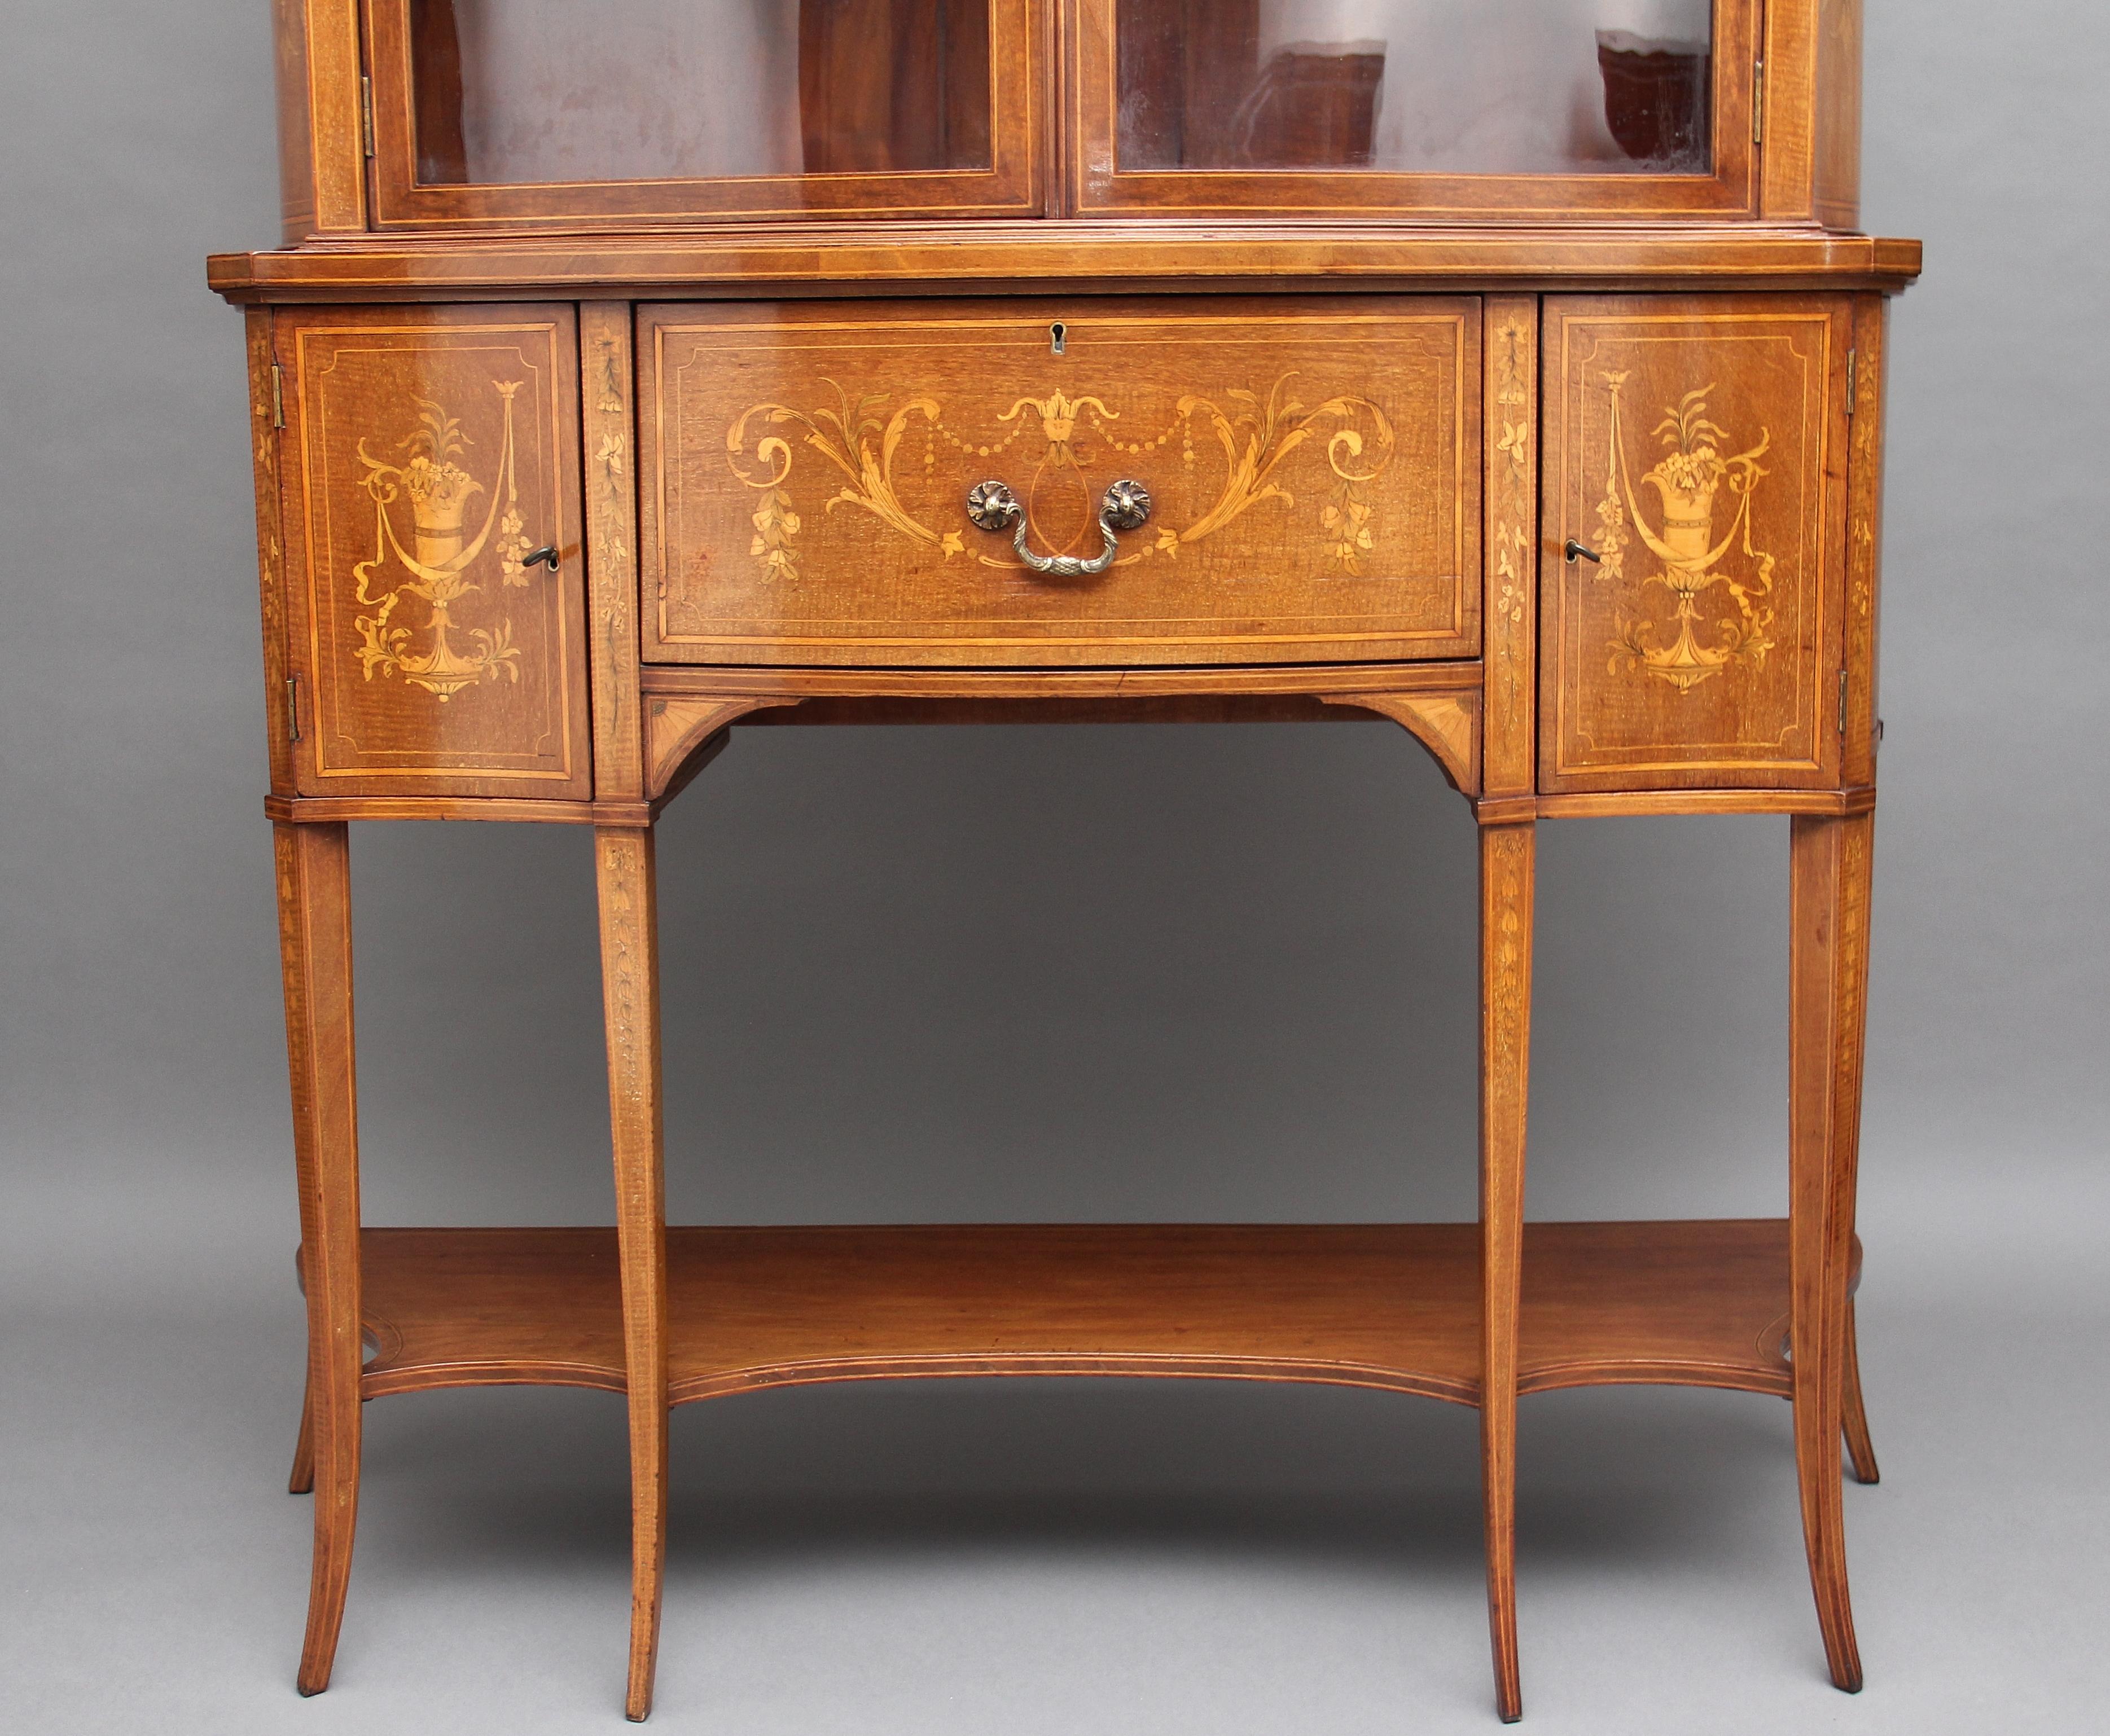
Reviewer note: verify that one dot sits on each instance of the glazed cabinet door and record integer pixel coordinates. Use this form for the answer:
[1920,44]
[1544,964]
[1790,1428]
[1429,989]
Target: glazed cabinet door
[1442,108]
[1306,479]
[427,452]
[510,113]
[1696,447]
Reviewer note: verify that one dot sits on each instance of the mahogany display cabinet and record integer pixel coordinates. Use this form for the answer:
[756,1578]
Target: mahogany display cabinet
[634,371]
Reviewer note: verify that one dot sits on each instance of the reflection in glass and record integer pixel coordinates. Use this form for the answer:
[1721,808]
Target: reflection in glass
[1461,87]
[509,92]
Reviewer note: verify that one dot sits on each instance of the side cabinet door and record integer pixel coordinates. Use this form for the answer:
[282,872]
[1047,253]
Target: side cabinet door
[1698,445]
[427,451]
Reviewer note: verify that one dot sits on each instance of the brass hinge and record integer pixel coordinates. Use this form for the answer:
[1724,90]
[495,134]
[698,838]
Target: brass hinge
[278,396]
[1852,374]
[366,113]
[292,708]
[1842,702]
[1758,105]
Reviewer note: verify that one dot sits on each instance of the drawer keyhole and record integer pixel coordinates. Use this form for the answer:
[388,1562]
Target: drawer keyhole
[1058,338]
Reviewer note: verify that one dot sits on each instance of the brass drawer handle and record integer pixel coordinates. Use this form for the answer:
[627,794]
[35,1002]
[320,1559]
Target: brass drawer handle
[1125,506]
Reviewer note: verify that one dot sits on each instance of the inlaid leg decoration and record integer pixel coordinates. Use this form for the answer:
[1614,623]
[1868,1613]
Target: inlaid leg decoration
[1507,867]
[315,941]
[302,1482]
[1828,979]
[630,988]
[1859,1448]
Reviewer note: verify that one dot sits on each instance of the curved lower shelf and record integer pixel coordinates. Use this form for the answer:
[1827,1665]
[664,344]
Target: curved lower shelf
[1395,1306]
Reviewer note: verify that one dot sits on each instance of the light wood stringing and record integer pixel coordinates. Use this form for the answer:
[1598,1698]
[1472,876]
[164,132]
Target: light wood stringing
[314,881]
[281,703]
[322,153]
[1808,169]
[1628,701]
[1509,453]
[1085,257]
[1415,1309]
[1508,869]
[1812,157]
[625,870]
[609,449]
[506,714]
[1864,545]
[1827,984]
[1330,513]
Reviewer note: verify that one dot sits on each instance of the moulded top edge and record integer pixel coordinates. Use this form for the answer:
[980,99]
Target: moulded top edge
[855,259]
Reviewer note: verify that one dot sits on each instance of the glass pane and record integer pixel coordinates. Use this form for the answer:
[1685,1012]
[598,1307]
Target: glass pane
[1459,87]
[509,91]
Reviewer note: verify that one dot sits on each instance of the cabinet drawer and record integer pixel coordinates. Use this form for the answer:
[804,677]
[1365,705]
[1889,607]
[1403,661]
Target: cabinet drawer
[1312,468]
[1699,445]
[427,449]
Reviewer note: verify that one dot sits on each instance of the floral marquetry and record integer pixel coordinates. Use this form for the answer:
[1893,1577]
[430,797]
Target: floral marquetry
[1312,469]
[432,476]
[639,374]
[1511,465]
[1696,453]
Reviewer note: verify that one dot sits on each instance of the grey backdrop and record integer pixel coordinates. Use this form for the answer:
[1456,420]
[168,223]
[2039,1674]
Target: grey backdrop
[1047,973]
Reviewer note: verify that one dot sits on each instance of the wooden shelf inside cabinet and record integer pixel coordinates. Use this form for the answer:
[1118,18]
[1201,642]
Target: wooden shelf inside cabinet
[1393,1306]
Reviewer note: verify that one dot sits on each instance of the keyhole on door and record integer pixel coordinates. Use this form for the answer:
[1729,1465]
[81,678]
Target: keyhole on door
[1058,338]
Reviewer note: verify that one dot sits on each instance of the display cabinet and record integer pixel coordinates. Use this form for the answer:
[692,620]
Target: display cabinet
[1511,372]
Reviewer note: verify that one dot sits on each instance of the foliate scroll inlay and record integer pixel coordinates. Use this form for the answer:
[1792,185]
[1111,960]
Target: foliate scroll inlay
[609,462]
[1257,437]
[1867,457]
[1512,515]
[1689,480]
[265,406]
[1852,961]
[286,860]
[1508,860]
[440,554]
[1512,361]
[264,444]
[627,987]
[853,440]
[861,441]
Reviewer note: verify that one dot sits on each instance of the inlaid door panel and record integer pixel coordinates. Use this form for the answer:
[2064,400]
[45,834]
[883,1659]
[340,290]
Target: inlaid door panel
[1312,468]
[428,451]
[1698,446]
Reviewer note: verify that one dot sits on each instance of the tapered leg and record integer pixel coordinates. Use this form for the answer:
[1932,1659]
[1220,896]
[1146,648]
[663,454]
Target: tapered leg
[315,942]
[302,1480]
[1860,1449]
[630,987]
[1828,978]
[1507,864]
